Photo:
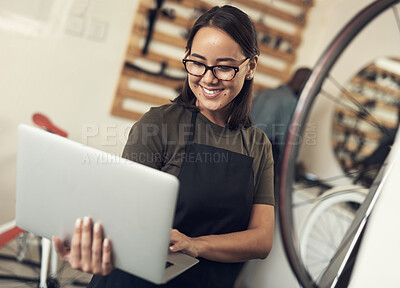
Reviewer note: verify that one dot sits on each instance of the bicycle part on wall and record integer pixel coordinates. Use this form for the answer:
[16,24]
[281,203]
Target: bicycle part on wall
[338,271]
[153,72]
[362,139]
[44,122]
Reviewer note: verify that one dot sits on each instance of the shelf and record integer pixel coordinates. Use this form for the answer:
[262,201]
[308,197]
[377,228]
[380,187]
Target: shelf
[301,3]
[136,52]
[373,85]
[174,84]
[369,118]
[271,10]
[370,135]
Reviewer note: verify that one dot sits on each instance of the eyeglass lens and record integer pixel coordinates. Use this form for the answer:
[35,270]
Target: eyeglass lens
[220,72]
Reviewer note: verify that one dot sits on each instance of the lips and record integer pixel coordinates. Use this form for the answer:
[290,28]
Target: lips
[211,93]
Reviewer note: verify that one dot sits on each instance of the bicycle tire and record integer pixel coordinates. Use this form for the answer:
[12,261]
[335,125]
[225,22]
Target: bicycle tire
[330,206]
[300,116]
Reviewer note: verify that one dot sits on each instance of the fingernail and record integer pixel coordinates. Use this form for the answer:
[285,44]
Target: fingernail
[96,227]
[86,221]
[78,222]
[106,242]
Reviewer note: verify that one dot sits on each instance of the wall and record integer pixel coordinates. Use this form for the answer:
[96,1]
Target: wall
[380,248]
[67,68]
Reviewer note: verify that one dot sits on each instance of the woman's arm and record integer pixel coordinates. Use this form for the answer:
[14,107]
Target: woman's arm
[253,243]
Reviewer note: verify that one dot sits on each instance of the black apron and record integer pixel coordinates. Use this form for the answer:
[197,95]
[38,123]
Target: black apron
[215,197]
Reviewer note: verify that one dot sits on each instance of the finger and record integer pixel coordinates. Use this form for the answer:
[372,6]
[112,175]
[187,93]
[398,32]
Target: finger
[175,247]
[75,254]
[174,236]
[174,239]
[86,245]
[106,266]
[97,248]
[62,251]
[181,242]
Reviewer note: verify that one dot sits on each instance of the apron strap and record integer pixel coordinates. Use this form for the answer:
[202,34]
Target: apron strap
[244,142]
[191,133]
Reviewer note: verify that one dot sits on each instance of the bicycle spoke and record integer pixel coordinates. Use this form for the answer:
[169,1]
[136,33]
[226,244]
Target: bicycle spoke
[363,113]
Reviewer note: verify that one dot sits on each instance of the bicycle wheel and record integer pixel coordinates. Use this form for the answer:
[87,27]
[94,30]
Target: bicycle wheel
[326,224]
[313,88]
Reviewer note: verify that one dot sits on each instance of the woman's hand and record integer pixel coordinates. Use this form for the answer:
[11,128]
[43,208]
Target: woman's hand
[88,254]
[253,243]
[183,243]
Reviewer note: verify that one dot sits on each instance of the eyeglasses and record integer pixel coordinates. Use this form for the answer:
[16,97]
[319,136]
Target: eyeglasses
[221,72]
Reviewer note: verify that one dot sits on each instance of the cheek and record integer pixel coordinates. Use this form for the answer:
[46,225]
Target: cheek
[234,88]
[193,83]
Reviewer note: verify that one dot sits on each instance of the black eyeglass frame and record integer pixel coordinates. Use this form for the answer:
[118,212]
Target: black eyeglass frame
[236,69]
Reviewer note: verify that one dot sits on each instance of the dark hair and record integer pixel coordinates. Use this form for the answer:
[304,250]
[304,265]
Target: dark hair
[238,25]
[299,79]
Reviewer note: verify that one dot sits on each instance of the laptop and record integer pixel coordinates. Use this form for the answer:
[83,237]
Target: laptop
[59,180]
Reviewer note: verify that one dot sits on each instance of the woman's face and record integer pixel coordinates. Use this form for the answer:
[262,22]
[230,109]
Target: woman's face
[212,46]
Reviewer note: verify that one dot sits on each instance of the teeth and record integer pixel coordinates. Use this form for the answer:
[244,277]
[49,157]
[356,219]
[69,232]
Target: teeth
[211,91]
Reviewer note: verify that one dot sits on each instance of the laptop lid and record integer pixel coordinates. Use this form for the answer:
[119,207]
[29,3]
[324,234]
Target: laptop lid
[59,180]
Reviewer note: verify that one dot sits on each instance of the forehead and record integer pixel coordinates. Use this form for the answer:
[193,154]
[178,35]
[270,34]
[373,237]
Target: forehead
[214,43]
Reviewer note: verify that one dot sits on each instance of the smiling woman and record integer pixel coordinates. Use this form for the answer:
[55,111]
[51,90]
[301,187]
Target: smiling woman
[217,41]
[212,46]
[225,209]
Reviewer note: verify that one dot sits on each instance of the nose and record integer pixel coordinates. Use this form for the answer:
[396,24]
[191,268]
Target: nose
[209,77]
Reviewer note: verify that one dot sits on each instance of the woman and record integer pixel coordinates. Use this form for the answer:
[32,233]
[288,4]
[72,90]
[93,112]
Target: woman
[225,210]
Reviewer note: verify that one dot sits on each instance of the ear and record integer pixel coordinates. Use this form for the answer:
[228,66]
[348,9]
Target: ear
[252,67]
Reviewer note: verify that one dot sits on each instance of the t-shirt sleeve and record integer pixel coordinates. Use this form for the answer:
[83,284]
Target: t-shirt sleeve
[144,143]
[264,178]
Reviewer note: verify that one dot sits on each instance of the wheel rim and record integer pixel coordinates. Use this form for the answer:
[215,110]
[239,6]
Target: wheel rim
[310,91]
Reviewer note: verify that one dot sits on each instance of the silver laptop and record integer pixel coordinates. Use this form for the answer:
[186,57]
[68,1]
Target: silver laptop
[59,180]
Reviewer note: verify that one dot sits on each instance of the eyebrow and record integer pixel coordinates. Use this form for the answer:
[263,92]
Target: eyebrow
[218,59]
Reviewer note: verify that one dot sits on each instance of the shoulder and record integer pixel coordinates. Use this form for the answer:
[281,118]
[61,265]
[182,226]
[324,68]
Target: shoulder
[167,108]
[164,114]
[275,92]
[271,101]
[257,139]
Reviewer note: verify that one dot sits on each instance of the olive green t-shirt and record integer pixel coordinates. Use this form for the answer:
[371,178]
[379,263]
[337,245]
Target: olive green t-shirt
[158,140]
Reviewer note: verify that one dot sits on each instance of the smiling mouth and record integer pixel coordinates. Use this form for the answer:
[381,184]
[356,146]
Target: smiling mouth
[211,92]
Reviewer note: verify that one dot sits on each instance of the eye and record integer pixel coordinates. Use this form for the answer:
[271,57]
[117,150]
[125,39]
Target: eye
[197,64]
[224,68]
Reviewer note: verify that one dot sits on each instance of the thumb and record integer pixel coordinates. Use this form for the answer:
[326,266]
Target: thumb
[60,248]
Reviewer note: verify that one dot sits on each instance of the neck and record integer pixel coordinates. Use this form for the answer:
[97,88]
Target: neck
[217,117]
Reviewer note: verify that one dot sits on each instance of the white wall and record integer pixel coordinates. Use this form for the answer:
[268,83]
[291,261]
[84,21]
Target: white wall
[68,76]
[379,250]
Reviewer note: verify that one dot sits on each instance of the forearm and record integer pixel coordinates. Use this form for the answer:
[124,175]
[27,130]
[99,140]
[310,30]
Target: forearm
[235,247]
[253,243]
